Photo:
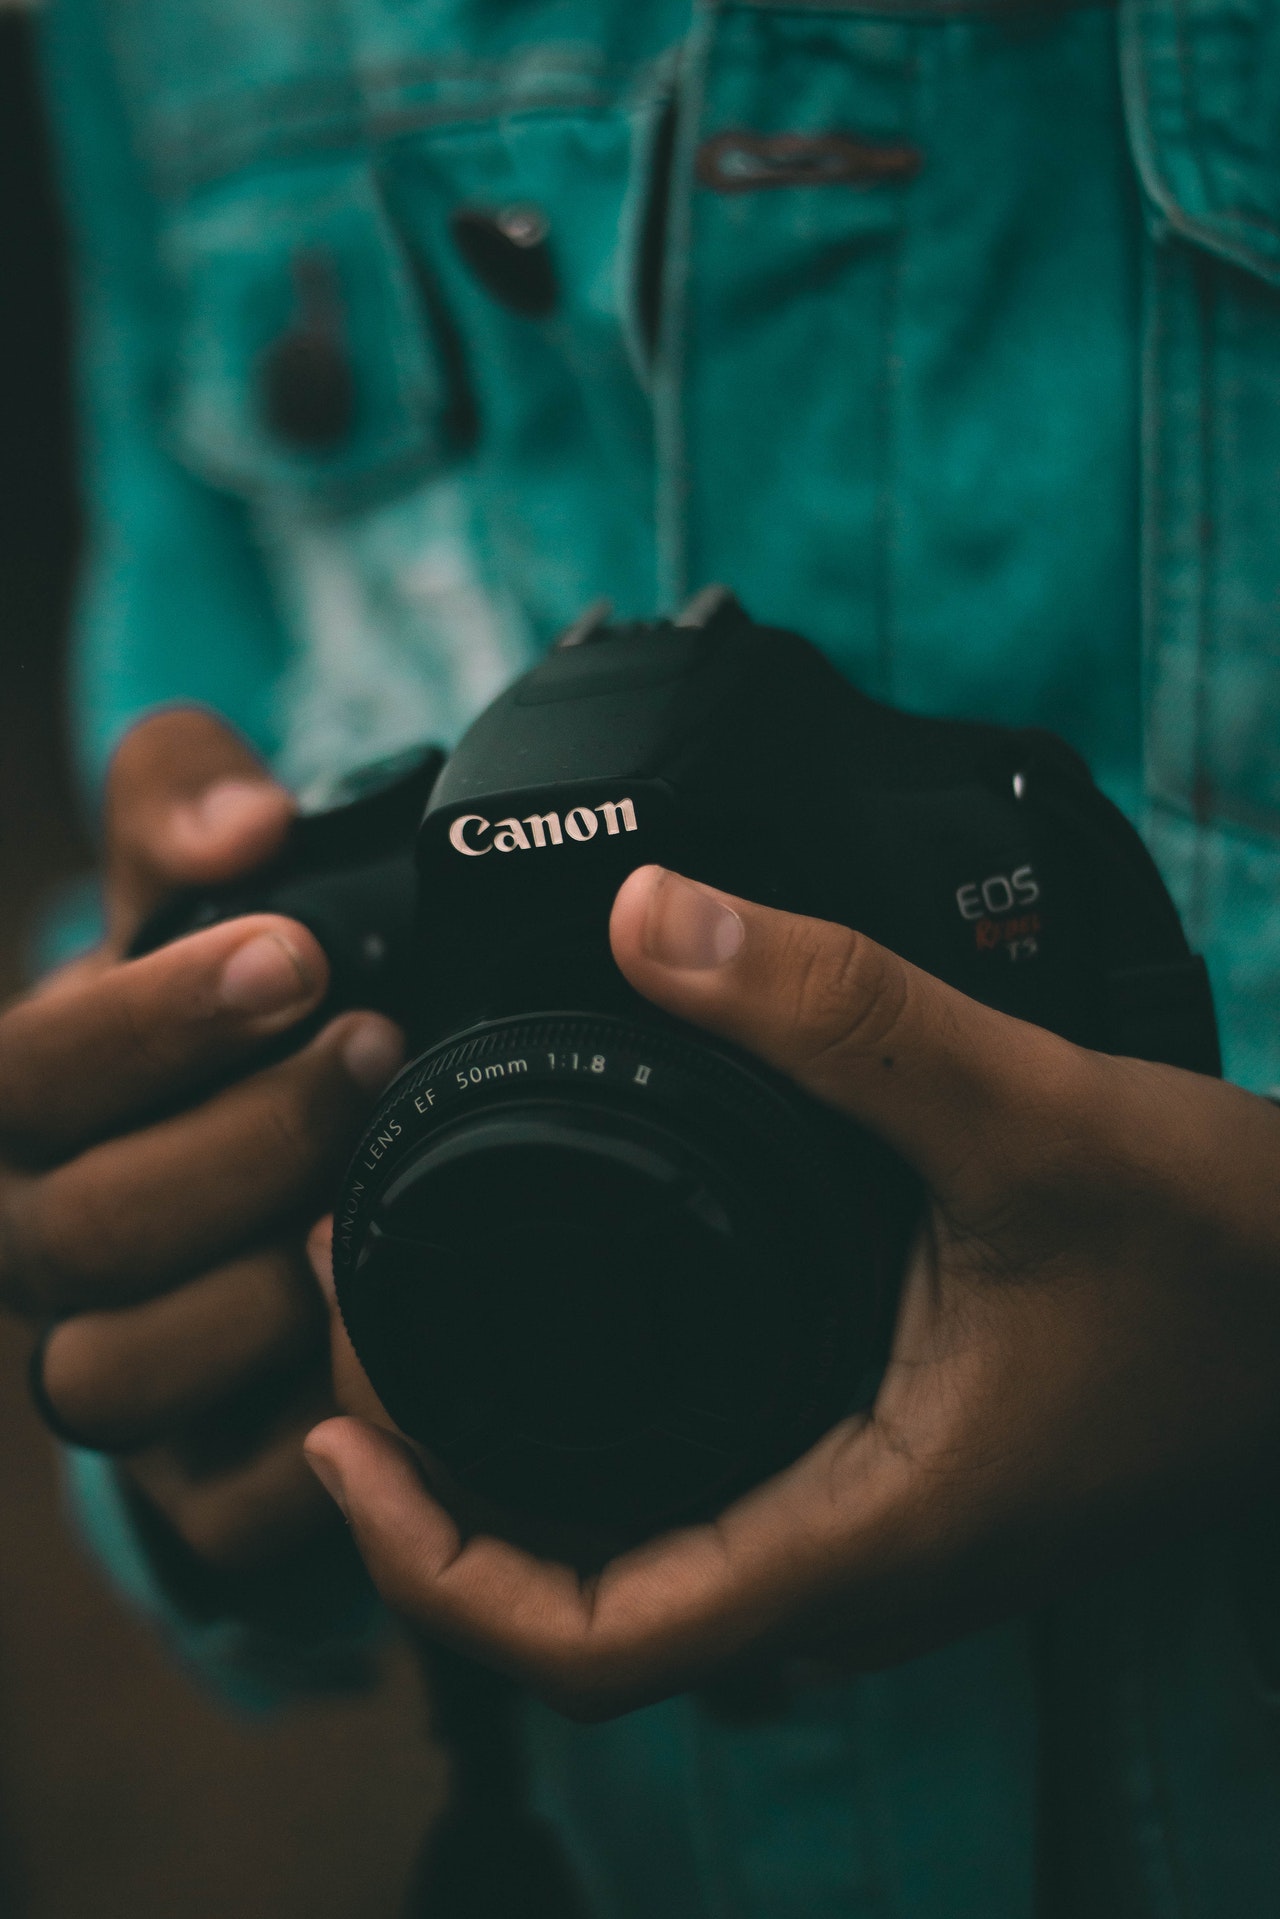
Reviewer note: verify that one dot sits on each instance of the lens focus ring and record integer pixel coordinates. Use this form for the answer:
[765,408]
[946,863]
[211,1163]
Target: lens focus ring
[606,1272]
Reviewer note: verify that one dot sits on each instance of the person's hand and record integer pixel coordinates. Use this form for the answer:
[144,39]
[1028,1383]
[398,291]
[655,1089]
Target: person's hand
[1087,1350]
[157,1180]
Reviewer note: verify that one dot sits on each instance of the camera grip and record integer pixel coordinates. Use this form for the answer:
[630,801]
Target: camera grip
[347,874]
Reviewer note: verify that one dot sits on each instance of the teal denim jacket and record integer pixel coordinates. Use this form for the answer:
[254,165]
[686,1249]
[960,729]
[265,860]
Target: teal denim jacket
[948,333]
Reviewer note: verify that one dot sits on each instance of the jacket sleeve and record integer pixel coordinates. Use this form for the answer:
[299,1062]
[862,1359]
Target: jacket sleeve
[322,1632]
[174,599]
[173,605]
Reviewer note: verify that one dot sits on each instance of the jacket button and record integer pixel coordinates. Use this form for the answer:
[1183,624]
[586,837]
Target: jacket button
[509,252]
[306,388]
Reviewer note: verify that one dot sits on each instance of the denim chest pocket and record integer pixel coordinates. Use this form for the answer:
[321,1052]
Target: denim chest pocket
[1202,82]
[1203,92]
[305,361]
[324,173]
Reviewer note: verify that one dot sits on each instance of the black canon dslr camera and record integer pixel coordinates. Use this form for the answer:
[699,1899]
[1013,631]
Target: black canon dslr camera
[607,1271]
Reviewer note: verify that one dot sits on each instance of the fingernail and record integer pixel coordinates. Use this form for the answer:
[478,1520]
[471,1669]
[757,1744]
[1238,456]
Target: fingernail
[372,1051]
[689,926]
[219,810]
[264,975]
[327,1473]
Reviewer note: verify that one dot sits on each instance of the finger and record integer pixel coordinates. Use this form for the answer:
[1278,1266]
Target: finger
[352,1392]
[188,803]
[927,1068]
[103,1045]
[259,1512]
[320,1259]
[123,1380]
[654,1621]
[130,1217]
[658,1620]
[486,1597]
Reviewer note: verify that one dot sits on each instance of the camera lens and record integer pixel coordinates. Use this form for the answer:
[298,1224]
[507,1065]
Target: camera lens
[609,1274]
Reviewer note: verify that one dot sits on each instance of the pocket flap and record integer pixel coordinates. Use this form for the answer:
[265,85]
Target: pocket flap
[1202,87]
[306,360]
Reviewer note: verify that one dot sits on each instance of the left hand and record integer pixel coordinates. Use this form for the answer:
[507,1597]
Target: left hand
[1087,1350]
[155,1168]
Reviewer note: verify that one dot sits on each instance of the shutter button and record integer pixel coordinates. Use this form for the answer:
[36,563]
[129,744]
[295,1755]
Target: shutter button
[509,252]
[305,382]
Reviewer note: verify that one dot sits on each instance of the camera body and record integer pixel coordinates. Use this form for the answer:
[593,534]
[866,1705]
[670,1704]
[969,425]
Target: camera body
[606,1272]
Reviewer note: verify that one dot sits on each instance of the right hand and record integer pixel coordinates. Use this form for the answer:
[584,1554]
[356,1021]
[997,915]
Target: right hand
[157,1181]
[1086,1360]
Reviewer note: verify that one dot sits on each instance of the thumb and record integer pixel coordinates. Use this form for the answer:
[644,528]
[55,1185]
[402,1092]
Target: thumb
[926,1068]
[188,803]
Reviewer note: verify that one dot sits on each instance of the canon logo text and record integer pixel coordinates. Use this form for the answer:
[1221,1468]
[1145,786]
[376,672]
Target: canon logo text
[470,832]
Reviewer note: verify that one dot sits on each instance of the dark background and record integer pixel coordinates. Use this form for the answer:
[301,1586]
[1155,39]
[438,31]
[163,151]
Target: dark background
[124,1792]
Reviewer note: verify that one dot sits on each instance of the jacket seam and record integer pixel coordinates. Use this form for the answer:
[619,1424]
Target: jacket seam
[189,145]
[931,9]
[1219,234]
